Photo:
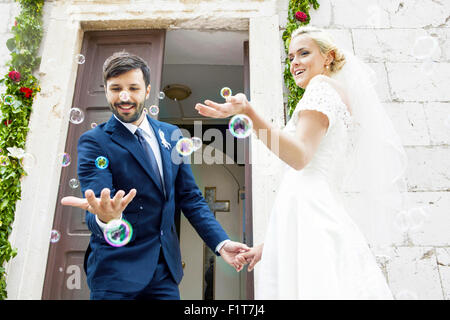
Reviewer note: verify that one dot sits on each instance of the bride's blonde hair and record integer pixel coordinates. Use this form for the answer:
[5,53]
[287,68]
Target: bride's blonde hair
[326,44]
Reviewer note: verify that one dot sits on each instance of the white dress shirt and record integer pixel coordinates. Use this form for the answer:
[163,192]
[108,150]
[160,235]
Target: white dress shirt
[150,137]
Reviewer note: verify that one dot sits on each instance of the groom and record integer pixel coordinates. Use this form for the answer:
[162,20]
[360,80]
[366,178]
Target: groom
[144,182]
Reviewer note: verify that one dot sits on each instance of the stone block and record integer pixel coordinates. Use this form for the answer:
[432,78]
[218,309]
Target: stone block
[342,37]
[413,274]
[431,219]
[438,119]
[381,81]
[443,260]
[282,11]
[395,45]
[410,122]
[443,37]
[428,169]
[419,13]
[359,14]
[322,17]
[419,81]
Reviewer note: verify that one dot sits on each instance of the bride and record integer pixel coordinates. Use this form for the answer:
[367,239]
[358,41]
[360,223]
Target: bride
[342,157]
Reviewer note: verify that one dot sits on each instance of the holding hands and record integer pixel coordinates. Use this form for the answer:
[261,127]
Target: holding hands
[252,256]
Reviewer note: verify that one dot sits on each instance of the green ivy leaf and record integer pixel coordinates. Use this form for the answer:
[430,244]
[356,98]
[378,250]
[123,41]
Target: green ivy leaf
[11,44]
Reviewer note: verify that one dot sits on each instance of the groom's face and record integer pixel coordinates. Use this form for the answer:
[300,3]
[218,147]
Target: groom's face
[133,83]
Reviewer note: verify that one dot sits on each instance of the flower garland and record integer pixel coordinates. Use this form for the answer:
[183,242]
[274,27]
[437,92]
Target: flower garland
[15,110]
[298,15]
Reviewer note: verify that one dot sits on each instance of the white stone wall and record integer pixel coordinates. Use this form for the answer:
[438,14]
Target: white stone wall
[383,34]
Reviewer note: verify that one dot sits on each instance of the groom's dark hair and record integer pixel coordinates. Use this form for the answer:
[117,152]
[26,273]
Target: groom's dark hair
[121,62]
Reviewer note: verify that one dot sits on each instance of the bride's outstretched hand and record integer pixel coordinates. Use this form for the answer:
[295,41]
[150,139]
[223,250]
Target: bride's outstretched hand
[237,104]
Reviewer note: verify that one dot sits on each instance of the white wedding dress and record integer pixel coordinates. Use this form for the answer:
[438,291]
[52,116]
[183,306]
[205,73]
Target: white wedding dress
[312,248]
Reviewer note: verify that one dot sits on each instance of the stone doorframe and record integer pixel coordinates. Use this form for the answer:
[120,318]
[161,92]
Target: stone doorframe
[49,120]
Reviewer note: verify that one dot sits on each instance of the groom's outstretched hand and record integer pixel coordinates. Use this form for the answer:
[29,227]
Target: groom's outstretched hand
[230,250]
[104,207]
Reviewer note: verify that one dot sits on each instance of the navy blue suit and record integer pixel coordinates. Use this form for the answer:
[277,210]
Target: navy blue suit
[151,213]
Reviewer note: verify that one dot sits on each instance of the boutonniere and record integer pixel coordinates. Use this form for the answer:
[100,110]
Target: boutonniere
[163,140]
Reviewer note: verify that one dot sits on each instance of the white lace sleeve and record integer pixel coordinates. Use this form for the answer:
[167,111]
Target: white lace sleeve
[319,96]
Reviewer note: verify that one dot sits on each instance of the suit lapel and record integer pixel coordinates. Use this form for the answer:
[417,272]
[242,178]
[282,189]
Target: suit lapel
[122,136]
[165,152]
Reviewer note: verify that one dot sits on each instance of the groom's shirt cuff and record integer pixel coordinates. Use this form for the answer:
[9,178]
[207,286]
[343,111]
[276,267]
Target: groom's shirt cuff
[220,245]
[101,224]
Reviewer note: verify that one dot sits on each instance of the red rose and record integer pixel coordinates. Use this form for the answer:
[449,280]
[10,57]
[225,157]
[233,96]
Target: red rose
[14,76]
[28,92]
[301,16]
[7,122]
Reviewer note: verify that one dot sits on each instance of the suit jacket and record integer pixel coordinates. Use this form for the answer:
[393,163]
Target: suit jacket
[151,213]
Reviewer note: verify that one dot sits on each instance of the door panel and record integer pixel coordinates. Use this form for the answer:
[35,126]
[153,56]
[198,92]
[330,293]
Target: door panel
[248,180]
[65,277]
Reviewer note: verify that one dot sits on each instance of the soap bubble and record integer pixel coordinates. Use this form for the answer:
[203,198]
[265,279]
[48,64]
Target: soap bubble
[65,157]
[74,183]
[76,116]
[410,220]
[161,95]
[93,125]
[101,162]
[428,67]
[55,236]
[185,146]
[424,47]
[118,232]
[124,96]
[28,161]
[225,92]
[154,110]
[8,100]
[80,59]
[240,126]
[197,143]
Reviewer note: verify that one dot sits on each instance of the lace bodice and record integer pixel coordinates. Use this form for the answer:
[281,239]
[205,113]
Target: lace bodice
[329,157]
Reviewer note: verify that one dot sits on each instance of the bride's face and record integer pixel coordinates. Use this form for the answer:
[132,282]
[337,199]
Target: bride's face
[306,60]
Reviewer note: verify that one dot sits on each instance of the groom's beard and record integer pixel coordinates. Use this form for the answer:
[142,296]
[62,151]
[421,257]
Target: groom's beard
[132,116]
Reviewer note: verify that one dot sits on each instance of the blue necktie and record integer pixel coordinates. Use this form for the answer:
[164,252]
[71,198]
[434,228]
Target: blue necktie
[150,155]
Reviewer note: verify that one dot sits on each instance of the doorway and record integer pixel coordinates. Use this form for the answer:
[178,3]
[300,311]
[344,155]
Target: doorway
[198,68]
[204,62]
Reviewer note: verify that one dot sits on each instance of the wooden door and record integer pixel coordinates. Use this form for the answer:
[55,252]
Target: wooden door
[65,277]
[248,228]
